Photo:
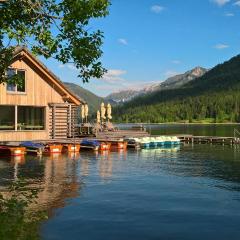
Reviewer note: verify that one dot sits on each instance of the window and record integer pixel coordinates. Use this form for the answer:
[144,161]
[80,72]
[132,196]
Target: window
[11,87]
[30,118]
[7,117]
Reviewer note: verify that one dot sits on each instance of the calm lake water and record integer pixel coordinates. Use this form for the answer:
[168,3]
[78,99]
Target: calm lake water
[224,130]
[191,192]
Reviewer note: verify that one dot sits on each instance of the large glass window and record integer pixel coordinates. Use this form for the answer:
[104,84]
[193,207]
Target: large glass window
[11,87]
[30,118]
[7,117]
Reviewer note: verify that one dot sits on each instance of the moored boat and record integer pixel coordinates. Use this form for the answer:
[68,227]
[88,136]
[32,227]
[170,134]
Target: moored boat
[33,147]
[90,144]
[160,141]
[145,142]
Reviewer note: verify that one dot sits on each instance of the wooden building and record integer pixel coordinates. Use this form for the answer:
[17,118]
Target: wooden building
[40,108]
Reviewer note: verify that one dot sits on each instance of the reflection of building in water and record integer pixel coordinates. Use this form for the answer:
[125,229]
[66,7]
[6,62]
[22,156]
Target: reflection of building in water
[59,181]
[84,167]
[73,155]
[105,165]
[122,154]
[15,161]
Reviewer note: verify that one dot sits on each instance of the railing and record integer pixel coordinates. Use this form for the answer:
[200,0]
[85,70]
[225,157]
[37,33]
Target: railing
[236,135]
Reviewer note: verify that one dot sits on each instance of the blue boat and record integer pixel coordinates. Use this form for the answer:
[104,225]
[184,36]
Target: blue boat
[32,147]
[29,144]
[90,144]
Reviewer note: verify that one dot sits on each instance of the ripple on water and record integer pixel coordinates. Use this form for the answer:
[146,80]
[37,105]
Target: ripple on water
[190,192]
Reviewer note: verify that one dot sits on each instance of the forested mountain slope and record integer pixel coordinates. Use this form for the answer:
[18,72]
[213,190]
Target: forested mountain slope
[214,97]
[93,100]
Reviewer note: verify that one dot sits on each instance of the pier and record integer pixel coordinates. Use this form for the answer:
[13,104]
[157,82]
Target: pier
[209,139]
[108,141]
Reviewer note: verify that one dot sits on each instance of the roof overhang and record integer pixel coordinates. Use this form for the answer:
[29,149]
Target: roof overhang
[22,53]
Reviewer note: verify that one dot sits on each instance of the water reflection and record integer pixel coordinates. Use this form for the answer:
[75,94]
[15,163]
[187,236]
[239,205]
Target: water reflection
[59,176]
[64,176]
[105,165]
[215,161]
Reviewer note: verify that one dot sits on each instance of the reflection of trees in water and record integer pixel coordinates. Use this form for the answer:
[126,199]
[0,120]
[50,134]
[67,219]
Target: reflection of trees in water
[56,177]
[213,161]
[61,176]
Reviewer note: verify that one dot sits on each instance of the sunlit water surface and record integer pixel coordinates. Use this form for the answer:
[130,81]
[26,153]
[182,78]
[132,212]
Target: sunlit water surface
[191,192]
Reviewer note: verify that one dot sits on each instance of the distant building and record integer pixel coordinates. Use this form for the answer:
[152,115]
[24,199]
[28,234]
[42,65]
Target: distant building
[40,108]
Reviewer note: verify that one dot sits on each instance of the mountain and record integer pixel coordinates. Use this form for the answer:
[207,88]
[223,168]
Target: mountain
[212,97]
[172,82]
[93,100]
[122,96]
[181,79]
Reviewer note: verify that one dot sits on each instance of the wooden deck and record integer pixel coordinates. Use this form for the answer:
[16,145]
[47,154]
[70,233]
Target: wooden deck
[209,139]
[122,134]
[108,141]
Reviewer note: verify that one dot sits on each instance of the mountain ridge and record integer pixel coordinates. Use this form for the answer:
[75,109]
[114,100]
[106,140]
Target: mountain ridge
[214,96]
[170,83]
[92,99]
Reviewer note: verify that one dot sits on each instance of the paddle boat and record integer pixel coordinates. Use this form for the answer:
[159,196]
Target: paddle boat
[145,142]
[153,142]
[176,140]
[160,141]
[171,140]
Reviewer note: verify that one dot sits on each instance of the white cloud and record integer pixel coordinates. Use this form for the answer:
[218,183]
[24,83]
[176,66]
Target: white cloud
[229,15]
[123,41]
[69,66]
[176,62]
[157,8]
[114,76]
[170,73]
[221,46]
[237,3]
[220,3]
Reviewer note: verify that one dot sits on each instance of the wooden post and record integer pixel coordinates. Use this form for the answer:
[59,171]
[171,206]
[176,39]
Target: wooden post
[53,121]
[69,120]
[16,117]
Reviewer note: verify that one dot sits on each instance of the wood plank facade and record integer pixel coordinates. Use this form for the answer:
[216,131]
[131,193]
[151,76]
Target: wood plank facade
[43,96]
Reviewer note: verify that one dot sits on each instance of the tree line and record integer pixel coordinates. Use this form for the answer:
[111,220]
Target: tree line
[218,107]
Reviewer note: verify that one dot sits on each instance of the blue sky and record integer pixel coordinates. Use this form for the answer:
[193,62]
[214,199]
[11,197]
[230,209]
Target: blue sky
[147,41]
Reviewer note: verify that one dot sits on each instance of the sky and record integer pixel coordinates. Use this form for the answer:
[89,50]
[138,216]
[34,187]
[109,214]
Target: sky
[147,41]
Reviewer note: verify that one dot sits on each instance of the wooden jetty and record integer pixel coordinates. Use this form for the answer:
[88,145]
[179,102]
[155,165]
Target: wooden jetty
[209,139]
[71,147]
[108,141]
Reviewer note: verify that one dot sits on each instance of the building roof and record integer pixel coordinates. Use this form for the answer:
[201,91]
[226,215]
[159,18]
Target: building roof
[21,52]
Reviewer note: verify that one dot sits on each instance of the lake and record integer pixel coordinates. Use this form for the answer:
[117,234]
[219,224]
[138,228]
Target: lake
[188,192]
[222,130]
